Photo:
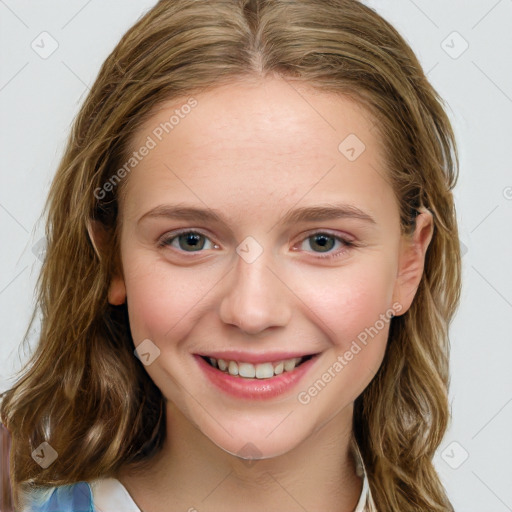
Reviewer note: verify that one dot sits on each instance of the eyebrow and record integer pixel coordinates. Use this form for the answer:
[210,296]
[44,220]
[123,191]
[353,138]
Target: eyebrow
[303,214]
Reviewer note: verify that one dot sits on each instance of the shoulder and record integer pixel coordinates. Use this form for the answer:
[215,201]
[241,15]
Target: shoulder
[75,497]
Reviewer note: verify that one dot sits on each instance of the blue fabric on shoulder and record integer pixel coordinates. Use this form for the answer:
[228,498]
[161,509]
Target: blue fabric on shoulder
[68,498]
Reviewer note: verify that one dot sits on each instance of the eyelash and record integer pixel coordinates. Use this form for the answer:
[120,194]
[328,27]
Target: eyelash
[348,244]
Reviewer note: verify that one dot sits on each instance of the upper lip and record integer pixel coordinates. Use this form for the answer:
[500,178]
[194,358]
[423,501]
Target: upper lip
[247,357]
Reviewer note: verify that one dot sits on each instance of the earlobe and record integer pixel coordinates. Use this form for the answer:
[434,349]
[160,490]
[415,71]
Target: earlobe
[117,291]
[412,260]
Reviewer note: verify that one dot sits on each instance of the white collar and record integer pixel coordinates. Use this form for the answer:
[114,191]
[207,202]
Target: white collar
[365,503]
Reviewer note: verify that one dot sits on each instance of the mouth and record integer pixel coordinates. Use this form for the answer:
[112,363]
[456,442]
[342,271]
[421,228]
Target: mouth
[264,370]
[263,377]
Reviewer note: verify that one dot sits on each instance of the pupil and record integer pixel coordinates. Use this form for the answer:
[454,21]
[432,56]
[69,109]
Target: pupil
[323,241]
[193,240]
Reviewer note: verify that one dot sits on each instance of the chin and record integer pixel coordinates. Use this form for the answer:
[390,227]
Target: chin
[256,446]
[259,436]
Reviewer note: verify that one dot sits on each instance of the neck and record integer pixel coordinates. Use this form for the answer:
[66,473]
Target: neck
[193,473]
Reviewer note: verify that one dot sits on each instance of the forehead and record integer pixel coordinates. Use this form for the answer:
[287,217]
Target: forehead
[246,143]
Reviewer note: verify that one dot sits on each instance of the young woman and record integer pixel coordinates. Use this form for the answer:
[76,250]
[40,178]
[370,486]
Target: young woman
[251,270]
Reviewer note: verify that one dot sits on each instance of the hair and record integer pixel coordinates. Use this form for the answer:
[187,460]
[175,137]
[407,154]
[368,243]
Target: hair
[83,391]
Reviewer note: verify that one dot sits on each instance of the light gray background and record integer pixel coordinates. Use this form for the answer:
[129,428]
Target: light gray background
[39,98]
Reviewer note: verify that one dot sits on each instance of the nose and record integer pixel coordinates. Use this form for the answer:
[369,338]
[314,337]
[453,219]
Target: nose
[255,298]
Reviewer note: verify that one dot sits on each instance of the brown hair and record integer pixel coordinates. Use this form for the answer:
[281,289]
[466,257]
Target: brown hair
[83,390]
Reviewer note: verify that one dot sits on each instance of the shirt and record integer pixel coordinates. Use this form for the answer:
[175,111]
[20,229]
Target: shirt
[110,495]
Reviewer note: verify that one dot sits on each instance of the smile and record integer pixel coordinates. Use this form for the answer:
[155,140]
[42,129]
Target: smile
[265,377]
[256,371]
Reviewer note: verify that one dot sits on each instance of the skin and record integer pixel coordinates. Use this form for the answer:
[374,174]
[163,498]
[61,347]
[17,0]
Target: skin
[254,151]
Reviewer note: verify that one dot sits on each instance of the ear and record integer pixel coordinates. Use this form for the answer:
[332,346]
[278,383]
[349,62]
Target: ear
[98,236]
[412,260]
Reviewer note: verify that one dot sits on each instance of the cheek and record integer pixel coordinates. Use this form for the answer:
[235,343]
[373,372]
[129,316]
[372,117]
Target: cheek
[361,347]
[356,306]
[351,300]
[358,315]
[160,303]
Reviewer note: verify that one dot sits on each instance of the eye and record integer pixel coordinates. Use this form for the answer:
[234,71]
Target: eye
[187,241]
[324,242]
[194,241]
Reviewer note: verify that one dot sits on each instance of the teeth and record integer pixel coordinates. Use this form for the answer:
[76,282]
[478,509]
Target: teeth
[258,371]
[246,370]
[279,368]
[264,371]
[289,364]
[233,368]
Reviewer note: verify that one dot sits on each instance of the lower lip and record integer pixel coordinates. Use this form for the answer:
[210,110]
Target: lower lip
[255,389]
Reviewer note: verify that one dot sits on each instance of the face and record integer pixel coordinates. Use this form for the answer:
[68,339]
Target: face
[262,260]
